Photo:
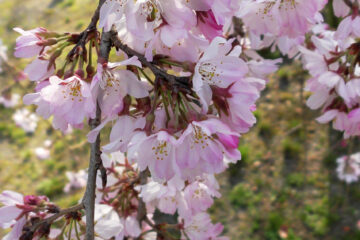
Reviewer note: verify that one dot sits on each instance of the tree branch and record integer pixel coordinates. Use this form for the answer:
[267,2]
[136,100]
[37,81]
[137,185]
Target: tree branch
[89,197]
[178,83]
[83,37]
[95,160]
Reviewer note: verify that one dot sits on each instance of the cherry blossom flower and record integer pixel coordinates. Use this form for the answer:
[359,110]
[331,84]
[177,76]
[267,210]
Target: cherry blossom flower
[141,19]
[216,68]
[199,196]
[27,45]
[109,224]
[109,160]
[10,102]
[10,213]
[168,198]
[69,100]
[208,25]
[177,43]
[116,84]
[348,168]
[48,143]
[287,20]
[122,132]
[39,70]
[208,142]
[238,111]
[174,196]
[76,180]
[201,228]
[340,8]
[110,13]
[348,26]
[222,9]
[155,152]
[42,153]
[26,120]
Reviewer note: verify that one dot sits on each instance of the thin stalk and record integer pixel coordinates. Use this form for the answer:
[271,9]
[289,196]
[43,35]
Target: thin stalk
[171,63]
[70,229]
[166,107]
[189,106]
[146,76]
[77,231]
[90,52]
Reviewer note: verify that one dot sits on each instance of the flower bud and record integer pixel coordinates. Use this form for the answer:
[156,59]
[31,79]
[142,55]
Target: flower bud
[150,119]
[90,70]
[80,73]
[47,42]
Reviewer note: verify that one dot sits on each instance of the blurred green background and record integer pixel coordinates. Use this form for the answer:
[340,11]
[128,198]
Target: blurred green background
[285,187]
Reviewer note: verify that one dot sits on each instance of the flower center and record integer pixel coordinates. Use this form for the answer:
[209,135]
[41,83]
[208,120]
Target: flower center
[73,91]
[149,11]
[283,5]
[208,73]
[200,138]
[161,150]
[120,2]
[198,193]
[109,82]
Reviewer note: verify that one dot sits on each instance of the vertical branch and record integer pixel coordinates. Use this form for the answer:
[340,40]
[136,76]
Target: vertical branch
[141,214]
[95,160]
[89,197]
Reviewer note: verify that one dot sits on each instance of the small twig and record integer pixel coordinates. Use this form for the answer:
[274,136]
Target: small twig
[141,214]
[145,233]
[148,221]
[176,82]
[83,37]
[354,6]
[349,3]
[79,145]
[102,169]
[238,28]
[54,217]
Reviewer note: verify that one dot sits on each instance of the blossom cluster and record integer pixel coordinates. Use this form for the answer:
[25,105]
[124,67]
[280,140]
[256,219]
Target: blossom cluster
[180,29]
[117,204]
[332,58]
[179,96]
[18,210]
[281,24]
[26,120]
